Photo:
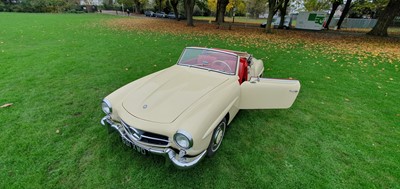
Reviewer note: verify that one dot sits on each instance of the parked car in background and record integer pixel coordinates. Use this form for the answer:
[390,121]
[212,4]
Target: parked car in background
[171,15]
[182,112]
[276,20]
[161,15]
[149,13]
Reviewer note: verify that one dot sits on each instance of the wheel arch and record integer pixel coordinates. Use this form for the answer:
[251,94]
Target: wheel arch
[227,118]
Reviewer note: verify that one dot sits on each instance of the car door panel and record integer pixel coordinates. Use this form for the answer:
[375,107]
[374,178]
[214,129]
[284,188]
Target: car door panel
[265,93]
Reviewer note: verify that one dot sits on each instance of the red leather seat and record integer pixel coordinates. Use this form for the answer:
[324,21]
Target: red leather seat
[242,70]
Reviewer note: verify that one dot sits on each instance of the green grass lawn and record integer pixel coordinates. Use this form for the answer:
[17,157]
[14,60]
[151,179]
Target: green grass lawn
[342,132]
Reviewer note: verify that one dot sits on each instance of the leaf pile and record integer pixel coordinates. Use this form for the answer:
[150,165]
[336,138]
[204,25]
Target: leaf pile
[345,43]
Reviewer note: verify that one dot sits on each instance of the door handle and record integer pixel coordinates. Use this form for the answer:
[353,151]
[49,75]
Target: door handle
[255,81]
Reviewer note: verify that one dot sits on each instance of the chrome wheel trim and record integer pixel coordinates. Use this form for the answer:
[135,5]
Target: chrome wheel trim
[218,136]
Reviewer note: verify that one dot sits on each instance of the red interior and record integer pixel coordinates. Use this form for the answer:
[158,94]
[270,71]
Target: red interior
[242,70]
[243,66]
[205,58]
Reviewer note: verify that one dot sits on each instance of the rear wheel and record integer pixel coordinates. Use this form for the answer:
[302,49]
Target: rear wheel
[216,138]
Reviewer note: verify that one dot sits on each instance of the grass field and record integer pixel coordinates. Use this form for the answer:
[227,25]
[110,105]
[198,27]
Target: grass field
[342,132]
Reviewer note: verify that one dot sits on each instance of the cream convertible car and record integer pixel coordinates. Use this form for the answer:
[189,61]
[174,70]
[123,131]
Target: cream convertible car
[182,112]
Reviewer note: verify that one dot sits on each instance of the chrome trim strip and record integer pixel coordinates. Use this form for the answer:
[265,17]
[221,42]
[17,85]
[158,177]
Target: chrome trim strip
[139,134]
[211,49]
[278,80]
[183,163]
[134,129]
[152,138]
[208,69]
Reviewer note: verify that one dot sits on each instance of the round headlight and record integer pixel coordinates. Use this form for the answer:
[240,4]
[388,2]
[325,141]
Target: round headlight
[183,139]
[106,106]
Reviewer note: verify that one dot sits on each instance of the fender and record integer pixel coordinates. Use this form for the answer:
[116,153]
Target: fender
[228,110]
[202,118]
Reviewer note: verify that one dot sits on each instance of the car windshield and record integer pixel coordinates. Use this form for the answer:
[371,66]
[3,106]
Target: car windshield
[209,59]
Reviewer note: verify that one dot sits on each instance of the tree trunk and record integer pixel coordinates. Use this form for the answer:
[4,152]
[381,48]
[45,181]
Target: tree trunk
[282,9]
[272,9]
[269,20]
[174,5]
[160,6]
[386,18]
[216,12]
[335,5]
[189,6]
[221,9]
[89,8]
[137,6]
[344,13]
[184,8]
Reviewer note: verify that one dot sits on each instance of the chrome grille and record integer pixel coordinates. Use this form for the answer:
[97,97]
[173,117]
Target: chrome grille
[146,137]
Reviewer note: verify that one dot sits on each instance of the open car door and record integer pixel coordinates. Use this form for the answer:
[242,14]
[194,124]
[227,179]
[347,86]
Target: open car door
[265,93]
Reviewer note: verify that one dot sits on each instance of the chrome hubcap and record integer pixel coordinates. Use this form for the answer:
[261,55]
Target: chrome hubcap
[218,136]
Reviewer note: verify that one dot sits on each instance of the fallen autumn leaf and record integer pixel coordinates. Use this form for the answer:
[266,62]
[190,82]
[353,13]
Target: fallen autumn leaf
[6,105]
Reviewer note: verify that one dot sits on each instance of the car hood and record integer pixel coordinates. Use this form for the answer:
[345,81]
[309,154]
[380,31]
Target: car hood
[166,96]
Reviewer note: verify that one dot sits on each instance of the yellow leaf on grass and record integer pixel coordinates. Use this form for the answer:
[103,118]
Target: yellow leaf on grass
[6,105]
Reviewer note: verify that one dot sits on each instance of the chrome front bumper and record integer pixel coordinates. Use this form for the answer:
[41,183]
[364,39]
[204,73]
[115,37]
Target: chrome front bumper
[178,160]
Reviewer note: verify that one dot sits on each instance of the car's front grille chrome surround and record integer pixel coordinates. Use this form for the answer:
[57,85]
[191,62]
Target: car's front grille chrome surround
[146,137]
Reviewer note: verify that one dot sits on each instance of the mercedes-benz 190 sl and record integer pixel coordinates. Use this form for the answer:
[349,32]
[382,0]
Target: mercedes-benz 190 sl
[182,112]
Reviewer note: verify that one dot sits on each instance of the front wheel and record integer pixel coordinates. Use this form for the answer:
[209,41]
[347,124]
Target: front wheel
[216,138]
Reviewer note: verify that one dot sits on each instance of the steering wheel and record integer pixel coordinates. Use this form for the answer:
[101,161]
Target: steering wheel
[223,63]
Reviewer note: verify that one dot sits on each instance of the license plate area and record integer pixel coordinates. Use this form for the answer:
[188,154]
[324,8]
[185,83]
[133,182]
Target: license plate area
[134,146]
